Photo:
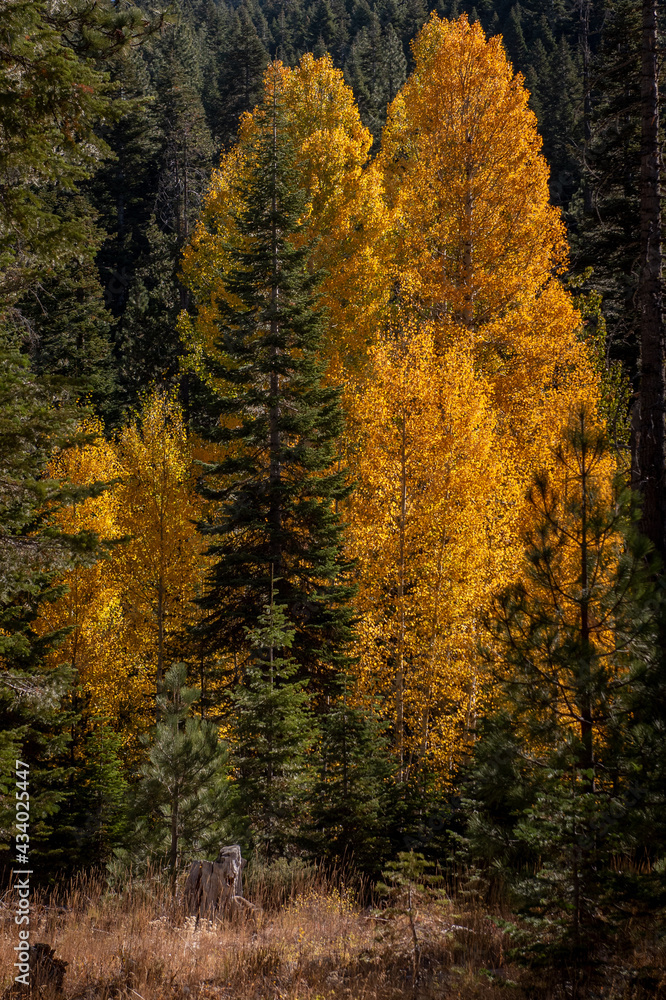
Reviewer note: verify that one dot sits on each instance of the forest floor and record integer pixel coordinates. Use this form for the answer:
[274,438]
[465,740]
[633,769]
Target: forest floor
[319,944]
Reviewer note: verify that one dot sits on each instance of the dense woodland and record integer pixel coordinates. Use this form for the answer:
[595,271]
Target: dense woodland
[332,445]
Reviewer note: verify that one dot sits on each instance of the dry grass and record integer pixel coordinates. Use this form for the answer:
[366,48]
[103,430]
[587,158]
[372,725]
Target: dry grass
[318,944]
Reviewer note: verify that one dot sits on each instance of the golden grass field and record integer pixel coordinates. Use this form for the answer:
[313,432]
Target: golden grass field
[313,940]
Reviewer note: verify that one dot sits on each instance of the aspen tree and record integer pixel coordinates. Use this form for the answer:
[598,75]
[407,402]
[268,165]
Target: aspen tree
[421,525]
[160,571]
[343,214]
[98,644]
[476,246]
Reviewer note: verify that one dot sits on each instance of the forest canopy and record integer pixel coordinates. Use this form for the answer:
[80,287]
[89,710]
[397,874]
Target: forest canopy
[331,506]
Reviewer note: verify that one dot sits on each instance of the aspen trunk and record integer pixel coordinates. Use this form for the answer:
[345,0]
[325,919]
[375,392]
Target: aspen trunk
[651,431]
[400,675]
[468,292]
[585,704]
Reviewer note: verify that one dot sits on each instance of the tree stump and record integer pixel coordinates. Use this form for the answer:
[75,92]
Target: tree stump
[216,887]
[47,975]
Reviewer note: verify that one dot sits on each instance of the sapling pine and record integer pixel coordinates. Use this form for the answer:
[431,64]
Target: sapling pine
[273,732]
[183,795]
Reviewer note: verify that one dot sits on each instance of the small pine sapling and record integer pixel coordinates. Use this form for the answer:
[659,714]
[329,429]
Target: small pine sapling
[273,732]
[183,795]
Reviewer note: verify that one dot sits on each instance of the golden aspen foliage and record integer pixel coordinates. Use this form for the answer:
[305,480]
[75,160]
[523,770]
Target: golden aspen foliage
[128,613]
[159,572]
[422,524]
[345,210]
[114,682]
[476,246]
[448,425]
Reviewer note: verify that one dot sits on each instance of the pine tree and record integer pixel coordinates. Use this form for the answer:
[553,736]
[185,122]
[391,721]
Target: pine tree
[604,233]
[569,644]
[94,824]
[187,151]
[182,799]
[394,65]
[149,347]
[322,28]
[272,733]
[241,67]
[365,72]
[34,553]
[123,189]
[70,334]
[56,94]
[351,798]
[279,482]
[47,89]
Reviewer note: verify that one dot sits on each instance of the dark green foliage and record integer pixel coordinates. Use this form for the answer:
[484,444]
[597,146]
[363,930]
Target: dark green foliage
[34,552]
[605,230]
[93,824]
[123,191]
[376,69]
[551,797]
[497,789]
[586,583]
[273,734]
[186,154]
[54,95]
[100,795]
[150,347]
[69,334]
[241,66]
[355,787]
[181,802]
[51,102]
[274,494]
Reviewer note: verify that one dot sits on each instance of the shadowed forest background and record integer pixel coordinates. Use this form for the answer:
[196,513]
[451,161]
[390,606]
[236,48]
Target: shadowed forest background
[333,490]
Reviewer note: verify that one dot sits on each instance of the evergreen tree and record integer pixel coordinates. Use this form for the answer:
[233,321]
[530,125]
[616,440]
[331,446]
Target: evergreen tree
[150,347]
[364,71]
[147,342]
[604,232]
[274,510]
[52,101]
[273,733]
[70,334]
[124,189]
[94,824]
[187,151]
[351,799]
[241,67]
[394,65]
[322,27]
[568,646]
[34,713]
[182,799]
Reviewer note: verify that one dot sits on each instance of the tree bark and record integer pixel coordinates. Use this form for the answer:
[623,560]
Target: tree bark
[585,678]
[400,675]
[651,433]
